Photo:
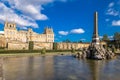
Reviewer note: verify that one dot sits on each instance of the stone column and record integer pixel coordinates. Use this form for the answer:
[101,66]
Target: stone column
[95,38]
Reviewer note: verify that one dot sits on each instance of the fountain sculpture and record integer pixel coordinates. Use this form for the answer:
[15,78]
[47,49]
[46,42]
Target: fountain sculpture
[96,50]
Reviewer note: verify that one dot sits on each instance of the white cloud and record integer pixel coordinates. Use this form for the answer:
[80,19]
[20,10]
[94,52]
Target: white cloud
[1,32]
[82,39]
[73,31]
[24,12]
[111,4]
[107,20]
[77,31]
[113,9]
[116,23]
[63,32]
[60,36]
[112,12]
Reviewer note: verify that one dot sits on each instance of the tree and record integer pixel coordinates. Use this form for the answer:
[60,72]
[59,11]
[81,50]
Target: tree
[67,41]
[117,39]
[105,38]
[31,44]
[117,36]
[54,46]
[43,51]
[80,41]
[72,50]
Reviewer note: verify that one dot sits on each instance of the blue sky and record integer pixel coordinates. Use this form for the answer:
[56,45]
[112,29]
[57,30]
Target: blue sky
[70,19]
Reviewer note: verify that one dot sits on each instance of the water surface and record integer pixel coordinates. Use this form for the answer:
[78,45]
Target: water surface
[60,68]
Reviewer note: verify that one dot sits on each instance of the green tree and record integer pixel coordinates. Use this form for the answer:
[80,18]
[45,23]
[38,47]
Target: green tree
[31,44]
[54,46]
[105,38]
[117,39]
[113,49]
[43,51]
[67,41]
[80,41]
[72,50]
[117,36]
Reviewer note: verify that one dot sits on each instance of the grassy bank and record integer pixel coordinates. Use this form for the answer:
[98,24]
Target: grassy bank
[19,54]
[33,54]
[15,53]
[30,51]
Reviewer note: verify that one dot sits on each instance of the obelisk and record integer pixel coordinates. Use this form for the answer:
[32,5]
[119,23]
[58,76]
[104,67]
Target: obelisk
[95,50]
[95,38]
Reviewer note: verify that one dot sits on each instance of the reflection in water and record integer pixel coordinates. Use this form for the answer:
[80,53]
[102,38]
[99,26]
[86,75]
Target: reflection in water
[60,68]
[95,67]
[1,69]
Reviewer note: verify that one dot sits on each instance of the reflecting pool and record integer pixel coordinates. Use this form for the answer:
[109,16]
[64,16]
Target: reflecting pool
[60,68]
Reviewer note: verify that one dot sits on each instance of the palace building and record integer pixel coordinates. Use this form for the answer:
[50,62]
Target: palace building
[12,34]
[19,39]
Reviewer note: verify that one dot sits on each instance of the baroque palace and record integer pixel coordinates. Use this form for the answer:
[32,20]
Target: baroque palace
[13,39]
[12,34]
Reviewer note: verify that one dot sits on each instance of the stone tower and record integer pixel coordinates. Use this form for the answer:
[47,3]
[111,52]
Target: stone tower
[49,34]
[10,31]
[48,30]
[95,38]
[9,25]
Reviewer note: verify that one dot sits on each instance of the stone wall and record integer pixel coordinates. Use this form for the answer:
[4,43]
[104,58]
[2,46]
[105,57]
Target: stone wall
[40,45]
[17,46]
[24,46]
[68,46]
[2,41]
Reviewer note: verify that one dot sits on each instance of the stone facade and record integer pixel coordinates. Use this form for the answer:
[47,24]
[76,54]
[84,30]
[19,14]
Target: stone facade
[76,46]
[68,46]
[11,33]
[2,40]
[18,39]
[40,45]
[14,45]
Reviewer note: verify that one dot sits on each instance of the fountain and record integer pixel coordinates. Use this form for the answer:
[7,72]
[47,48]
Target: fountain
[96,50]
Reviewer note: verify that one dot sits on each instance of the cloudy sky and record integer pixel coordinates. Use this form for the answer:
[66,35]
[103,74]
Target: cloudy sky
[70,19]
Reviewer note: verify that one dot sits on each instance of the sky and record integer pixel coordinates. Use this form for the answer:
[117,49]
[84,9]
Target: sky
[70,19]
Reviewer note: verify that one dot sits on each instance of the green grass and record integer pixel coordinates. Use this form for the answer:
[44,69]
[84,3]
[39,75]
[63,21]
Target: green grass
[18,54]
[30,51]
[15,53]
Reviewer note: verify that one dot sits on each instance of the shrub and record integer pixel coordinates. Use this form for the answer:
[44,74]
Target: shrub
[73,50]
[43,51]
[31,44]
[113,49]
[54,46]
